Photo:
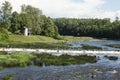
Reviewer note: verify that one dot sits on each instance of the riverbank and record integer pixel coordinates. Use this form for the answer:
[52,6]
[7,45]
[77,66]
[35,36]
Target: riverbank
[37,41]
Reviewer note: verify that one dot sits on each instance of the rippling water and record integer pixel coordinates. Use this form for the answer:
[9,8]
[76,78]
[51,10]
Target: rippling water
[98,43]
[104,69]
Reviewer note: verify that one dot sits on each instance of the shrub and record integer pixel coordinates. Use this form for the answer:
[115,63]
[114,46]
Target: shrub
[111,57]
[8,77]
[16,59]
[4,34]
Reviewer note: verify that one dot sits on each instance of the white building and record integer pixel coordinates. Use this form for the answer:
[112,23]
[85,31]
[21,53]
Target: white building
[27,31]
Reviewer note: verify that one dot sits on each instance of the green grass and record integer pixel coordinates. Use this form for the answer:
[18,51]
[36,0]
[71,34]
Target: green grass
[46,45]
[48,60]
[17,59]
[22,59]
[37,38]
[31,39]
[36,41]
[77,39]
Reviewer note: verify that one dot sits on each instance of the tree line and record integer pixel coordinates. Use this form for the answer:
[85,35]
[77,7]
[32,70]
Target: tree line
[99,28]
[30,17]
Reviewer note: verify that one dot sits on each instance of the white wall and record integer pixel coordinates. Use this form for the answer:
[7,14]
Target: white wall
[26,32]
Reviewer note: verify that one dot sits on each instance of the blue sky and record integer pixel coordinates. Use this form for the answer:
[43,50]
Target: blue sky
[113,5]
[73,8]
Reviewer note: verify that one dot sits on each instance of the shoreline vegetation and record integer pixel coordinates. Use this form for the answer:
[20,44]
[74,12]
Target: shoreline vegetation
[88,47]
[114,58]
[114,45]
[22,59]
[35,41]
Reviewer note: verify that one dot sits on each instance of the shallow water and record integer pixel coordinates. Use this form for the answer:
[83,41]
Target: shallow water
[98,43]
[104,69]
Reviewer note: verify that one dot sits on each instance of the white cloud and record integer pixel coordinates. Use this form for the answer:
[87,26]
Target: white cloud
[67,8]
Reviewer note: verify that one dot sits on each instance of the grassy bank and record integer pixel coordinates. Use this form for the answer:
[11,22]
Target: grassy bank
[46,45]
[31,38]
[21,41]
[77,39]
[37,38]
[35,41]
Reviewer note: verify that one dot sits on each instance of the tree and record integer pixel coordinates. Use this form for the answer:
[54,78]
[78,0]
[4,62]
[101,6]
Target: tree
[5,11]
[100,28]
[35,16]
[40,24]
[15,23]
[49,28]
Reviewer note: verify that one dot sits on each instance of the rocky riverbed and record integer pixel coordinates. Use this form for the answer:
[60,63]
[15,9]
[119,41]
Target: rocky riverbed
[102,70]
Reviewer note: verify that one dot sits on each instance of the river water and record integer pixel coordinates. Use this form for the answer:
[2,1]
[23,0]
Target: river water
[98,43]
[103,69]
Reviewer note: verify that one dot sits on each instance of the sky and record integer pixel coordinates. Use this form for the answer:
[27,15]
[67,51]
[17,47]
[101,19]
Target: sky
[72,8]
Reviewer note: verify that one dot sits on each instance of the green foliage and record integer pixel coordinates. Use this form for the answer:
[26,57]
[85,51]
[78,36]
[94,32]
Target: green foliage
[8,77]
[88,47]
[100,28]
[4,34]
[1,67]
[111,57]
[15,23]
[76,39]
[33,18]
[5,15]
[48,59]
[114,45]
[16,59]
[49,28]
[39,24]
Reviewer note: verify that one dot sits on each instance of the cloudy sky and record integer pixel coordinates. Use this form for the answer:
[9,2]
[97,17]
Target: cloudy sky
[72,8]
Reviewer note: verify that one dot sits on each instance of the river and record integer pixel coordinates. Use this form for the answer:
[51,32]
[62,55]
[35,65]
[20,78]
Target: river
[103,69]
[98,43]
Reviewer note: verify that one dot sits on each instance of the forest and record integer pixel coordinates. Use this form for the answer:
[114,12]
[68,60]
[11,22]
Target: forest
[31,17]
[98,28]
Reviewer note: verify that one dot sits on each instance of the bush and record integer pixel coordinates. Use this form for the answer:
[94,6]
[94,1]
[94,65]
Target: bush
[16,59]
[4,34]
[8,77]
